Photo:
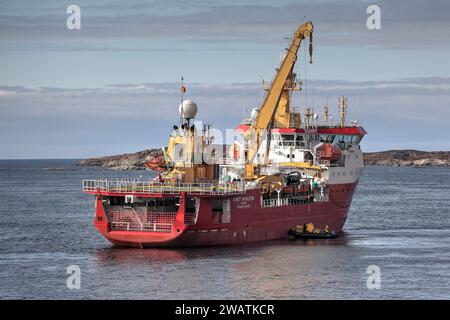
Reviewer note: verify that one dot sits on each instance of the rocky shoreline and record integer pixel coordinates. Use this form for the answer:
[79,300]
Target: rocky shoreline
[126,161]
[135,161]
[408,158]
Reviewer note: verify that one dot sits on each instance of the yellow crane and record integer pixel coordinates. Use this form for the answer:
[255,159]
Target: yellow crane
[270,103]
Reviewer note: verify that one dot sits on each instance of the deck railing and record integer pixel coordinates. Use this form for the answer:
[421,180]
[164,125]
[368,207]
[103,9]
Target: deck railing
[268,203]
[133,226]
[135,186]
[134,221]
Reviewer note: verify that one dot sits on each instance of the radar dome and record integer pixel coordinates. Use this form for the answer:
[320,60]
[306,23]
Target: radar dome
[188,109]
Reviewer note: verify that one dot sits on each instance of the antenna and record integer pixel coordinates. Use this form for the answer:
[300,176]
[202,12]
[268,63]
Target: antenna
[308,115]
[182,89]
[325,115]
[343,109]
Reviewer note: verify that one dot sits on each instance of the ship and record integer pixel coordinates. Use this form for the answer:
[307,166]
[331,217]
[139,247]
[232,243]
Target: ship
[283,168]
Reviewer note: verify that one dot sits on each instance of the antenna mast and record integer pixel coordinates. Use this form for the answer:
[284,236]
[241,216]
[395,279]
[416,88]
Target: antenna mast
[325,116]
[182,91]
[343,109]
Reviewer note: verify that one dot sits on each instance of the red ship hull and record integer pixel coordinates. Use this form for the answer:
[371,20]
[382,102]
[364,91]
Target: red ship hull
[250,221]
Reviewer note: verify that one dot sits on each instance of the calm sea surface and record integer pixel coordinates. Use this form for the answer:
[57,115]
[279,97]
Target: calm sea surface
[399,221]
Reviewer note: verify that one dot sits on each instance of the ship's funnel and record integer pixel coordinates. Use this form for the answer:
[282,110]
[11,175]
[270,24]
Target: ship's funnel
[188,109]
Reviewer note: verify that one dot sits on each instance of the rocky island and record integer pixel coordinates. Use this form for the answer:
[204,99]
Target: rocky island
[135,161]
[408,158]
[126,161]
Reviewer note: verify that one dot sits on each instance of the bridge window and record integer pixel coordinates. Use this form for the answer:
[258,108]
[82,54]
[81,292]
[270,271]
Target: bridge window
[328,138]
[288,139]
[347,139]
[299,141]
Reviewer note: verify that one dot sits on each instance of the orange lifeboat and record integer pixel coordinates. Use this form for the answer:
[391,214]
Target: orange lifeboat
[329,152]
[157,164]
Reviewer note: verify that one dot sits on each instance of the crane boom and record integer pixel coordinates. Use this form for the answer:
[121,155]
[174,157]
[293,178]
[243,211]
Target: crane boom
[269,105]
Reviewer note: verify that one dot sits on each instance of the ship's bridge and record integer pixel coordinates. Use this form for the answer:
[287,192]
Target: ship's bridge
[297,144]
[303,137]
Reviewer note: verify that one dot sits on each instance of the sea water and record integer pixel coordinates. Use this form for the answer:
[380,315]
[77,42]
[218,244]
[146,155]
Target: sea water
[399,222]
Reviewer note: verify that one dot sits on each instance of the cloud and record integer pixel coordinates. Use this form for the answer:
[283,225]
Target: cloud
[7,93]
[59,122]
[405,23]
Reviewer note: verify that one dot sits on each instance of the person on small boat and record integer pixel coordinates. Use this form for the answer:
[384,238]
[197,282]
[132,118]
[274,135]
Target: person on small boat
[309,228]
[309,231]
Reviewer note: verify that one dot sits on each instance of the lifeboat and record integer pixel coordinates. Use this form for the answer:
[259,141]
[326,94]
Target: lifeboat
[157,164]
[328,152]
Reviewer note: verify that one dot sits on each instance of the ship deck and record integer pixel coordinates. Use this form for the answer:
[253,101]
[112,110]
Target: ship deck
[137,187]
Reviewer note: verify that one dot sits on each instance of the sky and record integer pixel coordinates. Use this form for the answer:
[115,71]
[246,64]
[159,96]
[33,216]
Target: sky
[113,86]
